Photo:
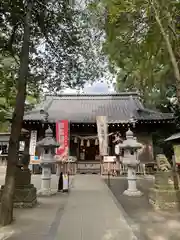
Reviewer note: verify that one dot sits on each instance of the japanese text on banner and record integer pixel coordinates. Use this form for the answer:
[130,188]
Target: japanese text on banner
[62,132]
[102,129]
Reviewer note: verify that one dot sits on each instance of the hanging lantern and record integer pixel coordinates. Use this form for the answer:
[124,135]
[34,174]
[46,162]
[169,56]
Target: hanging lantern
[75,140]
[88,143]
[96,142]
[82,142]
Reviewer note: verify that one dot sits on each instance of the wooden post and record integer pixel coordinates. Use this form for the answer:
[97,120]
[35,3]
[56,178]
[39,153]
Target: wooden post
[108,174]
[175,177]
[68,180]
[78,154]
[101,165]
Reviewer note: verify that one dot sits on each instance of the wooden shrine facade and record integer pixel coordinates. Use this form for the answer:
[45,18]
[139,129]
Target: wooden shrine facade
[123,110]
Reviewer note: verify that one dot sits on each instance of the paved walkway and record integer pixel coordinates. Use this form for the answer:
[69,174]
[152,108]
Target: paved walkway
[92,214]
[87,213]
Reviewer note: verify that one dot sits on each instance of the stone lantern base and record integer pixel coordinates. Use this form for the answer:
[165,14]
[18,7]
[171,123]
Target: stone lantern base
[163,196]
[130,193]
[46,193]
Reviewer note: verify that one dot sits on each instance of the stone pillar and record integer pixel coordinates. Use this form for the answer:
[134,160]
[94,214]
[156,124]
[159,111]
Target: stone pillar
[46,180]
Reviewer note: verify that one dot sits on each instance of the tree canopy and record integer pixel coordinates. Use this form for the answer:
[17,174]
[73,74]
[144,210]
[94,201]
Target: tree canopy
[61,52]
[137,51]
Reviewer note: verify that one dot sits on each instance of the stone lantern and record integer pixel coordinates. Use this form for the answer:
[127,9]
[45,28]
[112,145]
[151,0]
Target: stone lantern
[48,145]
[130,159]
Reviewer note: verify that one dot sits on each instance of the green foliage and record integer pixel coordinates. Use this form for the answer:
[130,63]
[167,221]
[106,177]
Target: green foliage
[61,53]
[137,51]
[7,85]
[8,82]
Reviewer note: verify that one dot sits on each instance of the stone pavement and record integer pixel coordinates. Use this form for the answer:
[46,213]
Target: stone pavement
[88,212]
[91,213]
[40,222]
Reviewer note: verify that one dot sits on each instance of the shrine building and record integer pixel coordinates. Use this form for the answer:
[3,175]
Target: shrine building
[123,110]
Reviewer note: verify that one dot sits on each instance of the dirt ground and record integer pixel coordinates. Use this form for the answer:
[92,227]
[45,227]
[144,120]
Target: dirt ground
[146,223]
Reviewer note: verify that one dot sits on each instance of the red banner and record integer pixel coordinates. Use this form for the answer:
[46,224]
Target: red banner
[62,132]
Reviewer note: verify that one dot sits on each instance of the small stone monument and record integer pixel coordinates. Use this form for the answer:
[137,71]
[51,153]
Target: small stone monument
[163,195]
[48,145]
[25,193]
[130,146]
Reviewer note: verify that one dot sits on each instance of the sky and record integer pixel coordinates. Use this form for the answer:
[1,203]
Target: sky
[95,88]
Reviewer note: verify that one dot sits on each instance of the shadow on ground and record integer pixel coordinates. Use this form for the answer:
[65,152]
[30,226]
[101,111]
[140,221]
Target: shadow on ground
[40,222]
[146,223]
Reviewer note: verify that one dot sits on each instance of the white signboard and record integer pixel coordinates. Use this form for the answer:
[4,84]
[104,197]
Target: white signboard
[109,159]
[33,140]
[102,129]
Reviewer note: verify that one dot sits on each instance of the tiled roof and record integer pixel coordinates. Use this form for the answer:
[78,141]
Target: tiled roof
[84,108]
[147,114]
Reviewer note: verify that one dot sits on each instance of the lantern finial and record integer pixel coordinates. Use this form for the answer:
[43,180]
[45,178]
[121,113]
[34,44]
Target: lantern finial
[49,132]
[129,134]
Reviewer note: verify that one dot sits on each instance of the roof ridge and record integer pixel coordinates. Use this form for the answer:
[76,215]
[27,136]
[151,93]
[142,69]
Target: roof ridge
[93,94]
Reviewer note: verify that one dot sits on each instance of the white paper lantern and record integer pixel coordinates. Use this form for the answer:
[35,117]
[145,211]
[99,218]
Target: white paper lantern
[117,149]
[82,142]
[96,142]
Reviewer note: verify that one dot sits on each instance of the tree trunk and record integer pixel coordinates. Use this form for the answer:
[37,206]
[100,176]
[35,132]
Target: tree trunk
[6,211]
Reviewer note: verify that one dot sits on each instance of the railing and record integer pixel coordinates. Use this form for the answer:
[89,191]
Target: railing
[88,167]
[70,167]
[121,169]
[141,169]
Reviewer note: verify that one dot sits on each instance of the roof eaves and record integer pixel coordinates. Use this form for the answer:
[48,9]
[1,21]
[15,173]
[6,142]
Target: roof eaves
[45,105]
[173,137]
[149,111]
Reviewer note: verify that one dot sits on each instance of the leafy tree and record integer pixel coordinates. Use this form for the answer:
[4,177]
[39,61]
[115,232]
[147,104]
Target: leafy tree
[7,91]
[142,45]
[8,80]
[50,50]
[142,41]
[8,192]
